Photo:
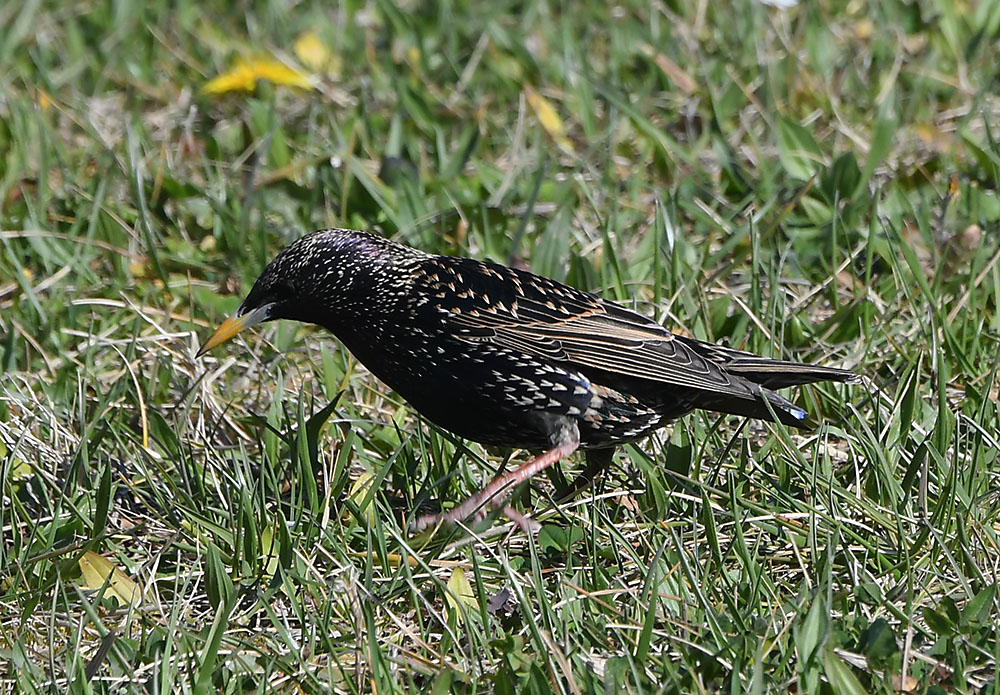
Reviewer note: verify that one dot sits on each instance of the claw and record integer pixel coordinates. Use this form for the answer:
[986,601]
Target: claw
[494,495]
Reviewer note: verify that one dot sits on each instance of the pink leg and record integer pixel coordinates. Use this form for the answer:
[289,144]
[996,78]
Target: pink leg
[528,525]
[495,494]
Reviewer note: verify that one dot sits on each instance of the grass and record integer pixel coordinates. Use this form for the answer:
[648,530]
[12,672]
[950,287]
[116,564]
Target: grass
[816,183]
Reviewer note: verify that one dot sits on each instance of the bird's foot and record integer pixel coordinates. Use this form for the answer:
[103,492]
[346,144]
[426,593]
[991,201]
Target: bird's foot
[494,495]
[522,521]
[474,509]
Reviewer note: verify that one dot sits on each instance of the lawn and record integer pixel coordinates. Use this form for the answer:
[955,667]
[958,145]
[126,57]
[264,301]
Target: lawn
[816,182]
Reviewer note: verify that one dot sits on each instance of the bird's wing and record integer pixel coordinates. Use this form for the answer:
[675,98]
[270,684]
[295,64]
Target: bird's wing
[484,302]
[615,343]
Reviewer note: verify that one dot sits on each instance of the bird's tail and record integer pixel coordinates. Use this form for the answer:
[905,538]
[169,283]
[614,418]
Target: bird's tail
[765,374]
[778,374]
[755,407]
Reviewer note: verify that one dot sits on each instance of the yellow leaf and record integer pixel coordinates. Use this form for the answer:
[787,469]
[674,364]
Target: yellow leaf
[98,571]
[548,118]
[244,75]
[270,550]
[279,73]
[240,77]
[314,54]
[358,493]
[459,592]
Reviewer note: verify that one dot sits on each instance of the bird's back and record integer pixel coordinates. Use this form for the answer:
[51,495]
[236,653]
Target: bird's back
[502,341]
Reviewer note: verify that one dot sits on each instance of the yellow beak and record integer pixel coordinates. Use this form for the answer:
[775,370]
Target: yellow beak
[233,325]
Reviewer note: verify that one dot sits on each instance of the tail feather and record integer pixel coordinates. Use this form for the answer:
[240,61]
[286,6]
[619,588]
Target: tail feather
[764,374]
[778,374]
[771,374]
[787,412]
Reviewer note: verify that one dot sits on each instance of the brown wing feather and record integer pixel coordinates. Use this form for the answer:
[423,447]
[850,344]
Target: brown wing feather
[541,317]
[652,353]
[548,319]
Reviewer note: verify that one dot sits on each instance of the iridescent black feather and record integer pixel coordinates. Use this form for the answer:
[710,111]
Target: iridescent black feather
[505,357]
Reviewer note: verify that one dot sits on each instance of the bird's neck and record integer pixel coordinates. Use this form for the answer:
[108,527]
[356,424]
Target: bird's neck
[370,324]
[370,308]
[366,340]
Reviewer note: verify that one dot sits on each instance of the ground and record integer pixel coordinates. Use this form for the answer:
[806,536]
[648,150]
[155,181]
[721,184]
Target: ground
[815,182]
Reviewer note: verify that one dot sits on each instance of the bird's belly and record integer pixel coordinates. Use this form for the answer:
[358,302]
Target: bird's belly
[515,419]
[501,397]
[491,426]
[493,396]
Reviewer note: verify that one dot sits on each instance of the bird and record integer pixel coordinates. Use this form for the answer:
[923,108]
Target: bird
[508,358]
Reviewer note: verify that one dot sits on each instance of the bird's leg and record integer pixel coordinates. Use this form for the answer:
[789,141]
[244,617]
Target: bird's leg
[528,525]
[597,461]
[495,494]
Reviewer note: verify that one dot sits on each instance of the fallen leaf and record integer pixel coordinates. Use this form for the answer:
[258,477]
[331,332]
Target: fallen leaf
[905,686]
[279,73]
[98,571]
[244,74]
[548,118]
[459,593]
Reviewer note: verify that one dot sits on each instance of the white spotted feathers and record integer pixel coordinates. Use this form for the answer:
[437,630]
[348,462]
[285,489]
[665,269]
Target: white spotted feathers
[506,357]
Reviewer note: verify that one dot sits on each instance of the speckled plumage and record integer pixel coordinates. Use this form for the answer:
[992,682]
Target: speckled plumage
[508,358]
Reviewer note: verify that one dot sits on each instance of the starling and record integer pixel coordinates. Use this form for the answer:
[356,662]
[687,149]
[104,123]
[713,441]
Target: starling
[508,358]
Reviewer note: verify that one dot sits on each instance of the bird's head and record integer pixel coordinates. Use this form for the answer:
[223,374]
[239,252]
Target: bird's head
[320,278]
